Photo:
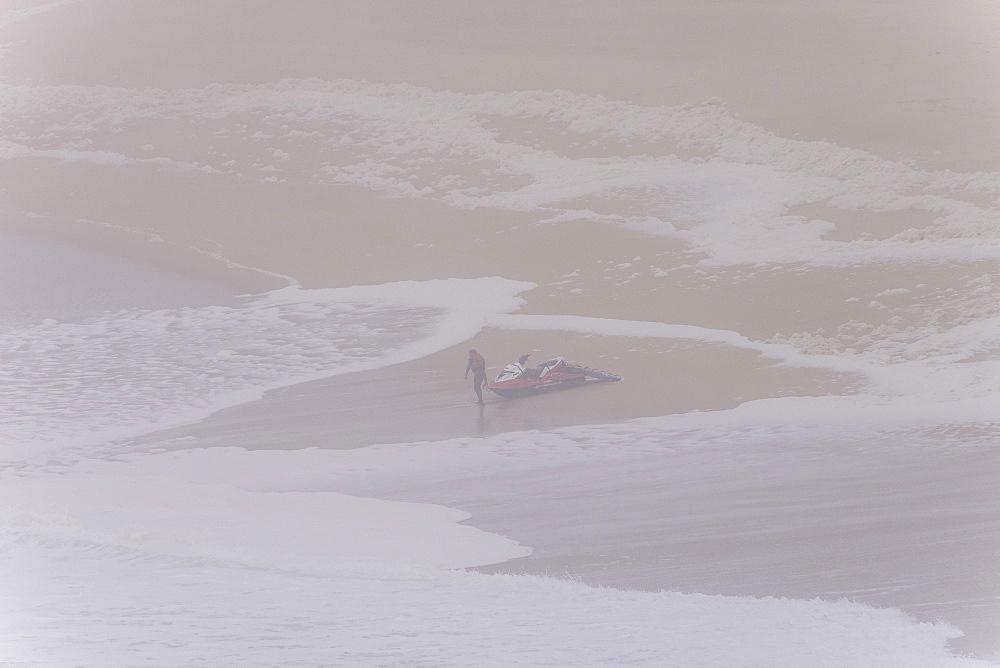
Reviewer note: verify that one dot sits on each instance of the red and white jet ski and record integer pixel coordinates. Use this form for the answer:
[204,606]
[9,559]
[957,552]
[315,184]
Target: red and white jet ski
[516,380]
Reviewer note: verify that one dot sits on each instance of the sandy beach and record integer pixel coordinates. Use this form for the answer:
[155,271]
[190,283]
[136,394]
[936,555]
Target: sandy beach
[777,221]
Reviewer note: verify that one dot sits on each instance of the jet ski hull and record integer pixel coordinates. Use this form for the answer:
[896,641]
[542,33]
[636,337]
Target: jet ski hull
[521,387]
[516,381]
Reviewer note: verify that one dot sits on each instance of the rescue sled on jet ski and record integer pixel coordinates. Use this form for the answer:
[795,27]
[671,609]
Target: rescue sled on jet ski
[517,380]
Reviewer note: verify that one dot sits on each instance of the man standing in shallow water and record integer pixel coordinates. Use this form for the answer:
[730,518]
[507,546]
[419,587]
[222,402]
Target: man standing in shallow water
[477,364]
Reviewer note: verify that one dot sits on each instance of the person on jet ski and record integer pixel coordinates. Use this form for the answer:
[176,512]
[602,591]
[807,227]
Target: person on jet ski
[536,371]
[477,364]
[527,372]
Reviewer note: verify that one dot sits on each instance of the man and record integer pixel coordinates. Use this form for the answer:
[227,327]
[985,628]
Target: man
[525,371]
[477,364]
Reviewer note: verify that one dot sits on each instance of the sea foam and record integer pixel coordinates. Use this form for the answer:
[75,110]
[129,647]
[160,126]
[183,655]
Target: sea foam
[131,372]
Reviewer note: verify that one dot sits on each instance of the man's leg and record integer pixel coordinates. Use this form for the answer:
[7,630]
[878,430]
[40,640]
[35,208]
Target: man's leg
[477,383]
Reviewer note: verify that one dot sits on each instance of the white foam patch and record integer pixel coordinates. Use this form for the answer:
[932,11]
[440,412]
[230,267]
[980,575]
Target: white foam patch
[788,355]
[209,615]
[113,158]
[16,15]
[321,533]
[64,606]
[288,512]
[696,173]
[925,367]
[382,470]
[730,198]
[69,384]
[295,512]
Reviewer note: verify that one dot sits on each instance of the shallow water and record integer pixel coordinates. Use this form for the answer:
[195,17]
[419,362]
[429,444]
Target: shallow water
[806,326]
[44,278]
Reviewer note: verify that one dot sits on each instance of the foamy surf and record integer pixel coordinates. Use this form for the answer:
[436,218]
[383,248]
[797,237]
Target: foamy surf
[253,616]
[693,237]
[730,189]
[131,372]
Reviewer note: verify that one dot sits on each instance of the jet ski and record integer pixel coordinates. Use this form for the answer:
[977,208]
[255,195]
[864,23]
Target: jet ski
[517,380]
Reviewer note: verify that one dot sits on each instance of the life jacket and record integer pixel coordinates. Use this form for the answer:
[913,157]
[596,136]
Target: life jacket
[477,363]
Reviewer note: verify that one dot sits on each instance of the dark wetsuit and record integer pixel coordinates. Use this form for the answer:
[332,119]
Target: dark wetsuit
[477,364]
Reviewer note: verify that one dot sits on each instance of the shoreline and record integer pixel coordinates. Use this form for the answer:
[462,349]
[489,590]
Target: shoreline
[428,400]
[146,246]
[703,195]
[843,520]
[794,68]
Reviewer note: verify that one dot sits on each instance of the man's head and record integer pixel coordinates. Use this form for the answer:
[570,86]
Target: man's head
[472,351]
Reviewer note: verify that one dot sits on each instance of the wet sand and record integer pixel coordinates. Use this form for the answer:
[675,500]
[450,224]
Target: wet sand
[428,399]
[914,528]
[913,525]
[890,77]
[616,273]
